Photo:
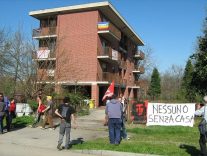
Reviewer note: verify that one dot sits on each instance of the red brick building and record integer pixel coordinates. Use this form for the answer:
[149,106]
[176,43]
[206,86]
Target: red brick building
[88,46]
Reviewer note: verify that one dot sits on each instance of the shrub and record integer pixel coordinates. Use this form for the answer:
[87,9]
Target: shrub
[33,104]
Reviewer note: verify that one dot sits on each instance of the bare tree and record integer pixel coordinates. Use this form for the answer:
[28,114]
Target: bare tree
[171,83]
[4,48]
[15,62]
[149,62]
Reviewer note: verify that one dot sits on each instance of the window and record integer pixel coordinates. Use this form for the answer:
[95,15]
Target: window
[104,67]
[49,22]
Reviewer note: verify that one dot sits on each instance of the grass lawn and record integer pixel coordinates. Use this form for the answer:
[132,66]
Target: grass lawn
[20,122]
[161,140]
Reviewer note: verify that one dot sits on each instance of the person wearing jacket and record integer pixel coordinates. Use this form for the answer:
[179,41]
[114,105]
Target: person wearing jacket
[202,111]
[113,113]
[7,114]
[2,112]
[12,111]
[124,109]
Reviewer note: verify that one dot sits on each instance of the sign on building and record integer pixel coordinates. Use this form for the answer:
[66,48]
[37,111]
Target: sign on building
[43,54]
[114,55]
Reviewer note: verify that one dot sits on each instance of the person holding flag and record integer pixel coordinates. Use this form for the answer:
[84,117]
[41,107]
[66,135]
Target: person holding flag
[107,97]
[113,113]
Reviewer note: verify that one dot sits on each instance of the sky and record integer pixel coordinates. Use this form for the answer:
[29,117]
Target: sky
[168,27]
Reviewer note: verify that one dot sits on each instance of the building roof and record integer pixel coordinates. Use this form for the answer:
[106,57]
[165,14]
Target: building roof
[105,7]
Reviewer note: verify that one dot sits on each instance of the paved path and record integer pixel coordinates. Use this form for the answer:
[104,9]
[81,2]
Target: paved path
[38,142]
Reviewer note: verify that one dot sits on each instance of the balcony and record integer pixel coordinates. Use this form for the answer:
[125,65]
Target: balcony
[138,70]
[123,83]
[107,76]
[137,83]
[44,55]
[45,74]
[45,32]
[122,64]
[122,49]
[108,31]
[139,55]
[50,72]
[135,86]
[109,55]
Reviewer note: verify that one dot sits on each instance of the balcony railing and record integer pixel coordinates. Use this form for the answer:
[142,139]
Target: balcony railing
[44,55]
[138,70]
[137,83]
[108,54]
[45,74]
[51,72]
[107,51]
[107,76]
[109,31]
[44,32]
[139,55]
[122,49]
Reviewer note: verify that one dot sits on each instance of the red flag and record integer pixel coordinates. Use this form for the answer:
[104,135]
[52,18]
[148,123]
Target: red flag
[109,92]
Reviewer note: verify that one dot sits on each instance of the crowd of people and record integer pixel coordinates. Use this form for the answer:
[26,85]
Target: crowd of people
[44,115]
[115,117]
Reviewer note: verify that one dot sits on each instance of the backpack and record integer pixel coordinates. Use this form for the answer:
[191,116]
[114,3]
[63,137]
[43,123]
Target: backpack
[64,111]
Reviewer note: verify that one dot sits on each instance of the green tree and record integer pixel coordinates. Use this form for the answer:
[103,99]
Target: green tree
[186,88]
[199,80]
[155,87]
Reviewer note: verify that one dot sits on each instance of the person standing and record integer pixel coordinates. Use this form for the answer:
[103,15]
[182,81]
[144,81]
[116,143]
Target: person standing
[39,113]
[106,118]
[12,110]
[48,112]
[7,114]
[66,113]
[202,111]
[113,113]
[2,112]
[123,117]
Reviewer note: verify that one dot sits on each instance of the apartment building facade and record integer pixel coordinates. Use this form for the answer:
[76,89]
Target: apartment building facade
[88,46]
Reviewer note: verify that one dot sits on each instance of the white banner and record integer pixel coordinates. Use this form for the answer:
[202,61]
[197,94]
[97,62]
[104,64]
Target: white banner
[180,114]
[114,55]
[43,54]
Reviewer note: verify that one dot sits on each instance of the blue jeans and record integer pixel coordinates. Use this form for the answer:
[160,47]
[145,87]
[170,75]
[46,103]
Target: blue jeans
[123,131]
[123,128]
[114,126]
